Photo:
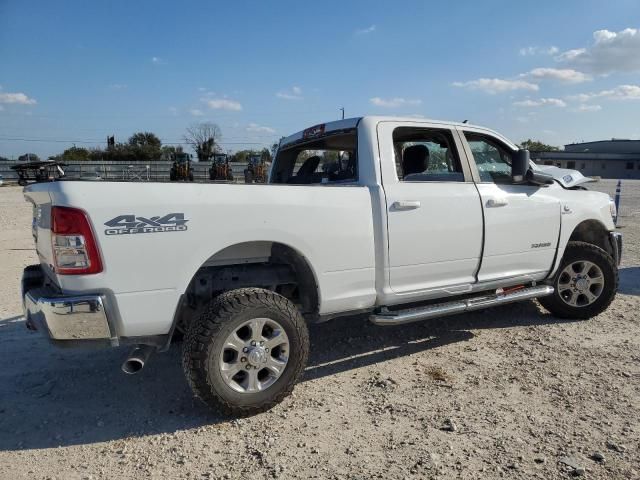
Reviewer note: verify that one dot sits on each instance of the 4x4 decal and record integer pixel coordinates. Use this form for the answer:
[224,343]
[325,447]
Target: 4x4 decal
[130,224]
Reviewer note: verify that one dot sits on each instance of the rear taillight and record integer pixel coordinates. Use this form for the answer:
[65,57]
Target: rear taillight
[74,246]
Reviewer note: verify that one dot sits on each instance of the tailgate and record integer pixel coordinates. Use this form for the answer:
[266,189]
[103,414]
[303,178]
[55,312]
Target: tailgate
[40,199]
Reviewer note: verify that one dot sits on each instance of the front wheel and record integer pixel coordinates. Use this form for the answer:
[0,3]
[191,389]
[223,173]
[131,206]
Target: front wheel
[246,351]
[585,284]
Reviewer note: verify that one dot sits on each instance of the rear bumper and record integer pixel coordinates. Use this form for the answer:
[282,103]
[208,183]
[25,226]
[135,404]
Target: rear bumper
[616,244]
[65,318]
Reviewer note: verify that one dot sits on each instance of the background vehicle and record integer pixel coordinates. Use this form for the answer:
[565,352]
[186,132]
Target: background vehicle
[181,169]
[220,168]
[38,171]
[256,171]
[397,218]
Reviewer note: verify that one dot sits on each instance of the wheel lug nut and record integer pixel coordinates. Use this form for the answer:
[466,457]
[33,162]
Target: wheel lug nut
[243,359]
[245,349]
[261,343]
[266,349]
[253,344]
[248,367]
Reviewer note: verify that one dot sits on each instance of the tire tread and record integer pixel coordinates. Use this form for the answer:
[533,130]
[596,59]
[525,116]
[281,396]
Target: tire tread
[556,305]
[204,329]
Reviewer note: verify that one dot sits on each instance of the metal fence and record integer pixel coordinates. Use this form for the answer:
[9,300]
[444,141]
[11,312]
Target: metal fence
[127,171]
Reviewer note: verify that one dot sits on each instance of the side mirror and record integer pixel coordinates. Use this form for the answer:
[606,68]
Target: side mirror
[539,178]
[520,166]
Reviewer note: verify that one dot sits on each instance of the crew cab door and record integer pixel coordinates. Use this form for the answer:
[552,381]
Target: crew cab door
[521,222]
[434,216]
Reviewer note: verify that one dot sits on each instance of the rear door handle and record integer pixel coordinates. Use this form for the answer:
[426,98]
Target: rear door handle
[405,205]
[497,202]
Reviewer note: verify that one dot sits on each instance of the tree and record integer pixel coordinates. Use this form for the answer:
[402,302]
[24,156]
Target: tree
[168,152]
[204,139]
[145,139]
[537,146]
[142,146]
[242,156]
[75,153]
[265,155]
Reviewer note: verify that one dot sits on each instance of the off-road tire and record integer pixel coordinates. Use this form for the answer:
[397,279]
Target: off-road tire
[207,333]
[577,251]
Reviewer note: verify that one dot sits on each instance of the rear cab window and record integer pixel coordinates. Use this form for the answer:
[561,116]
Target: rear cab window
[318,159]
[426,155]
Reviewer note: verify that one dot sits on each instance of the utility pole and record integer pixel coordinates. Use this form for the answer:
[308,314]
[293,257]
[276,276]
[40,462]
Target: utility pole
[342,110]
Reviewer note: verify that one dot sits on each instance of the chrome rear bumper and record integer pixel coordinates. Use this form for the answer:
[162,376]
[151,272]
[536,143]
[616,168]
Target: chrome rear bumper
[64,317]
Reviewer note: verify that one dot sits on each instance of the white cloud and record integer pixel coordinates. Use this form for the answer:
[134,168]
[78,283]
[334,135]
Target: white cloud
[541,102]
[223,104]
[621,92]
[255,128]
[394,102]
[364,31]
[497,85]
[17,98]
[158,61]
[196,112]
[587,108]
[580,97]
[173,110]
[117,86]
[295,93]
[1,108]
[610,52]
[538,51]
[563,75]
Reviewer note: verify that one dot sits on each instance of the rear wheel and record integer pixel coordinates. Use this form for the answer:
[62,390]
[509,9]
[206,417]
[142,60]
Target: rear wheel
[586,282]
[246,351]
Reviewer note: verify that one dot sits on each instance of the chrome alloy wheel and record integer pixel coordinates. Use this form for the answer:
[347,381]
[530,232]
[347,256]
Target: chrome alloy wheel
[254,355]
[581,283]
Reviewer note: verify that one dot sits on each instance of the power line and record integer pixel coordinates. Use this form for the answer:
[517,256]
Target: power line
[17,139]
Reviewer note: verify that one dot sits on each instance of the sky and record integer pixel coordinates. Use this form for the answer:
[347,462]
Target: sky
[74,72]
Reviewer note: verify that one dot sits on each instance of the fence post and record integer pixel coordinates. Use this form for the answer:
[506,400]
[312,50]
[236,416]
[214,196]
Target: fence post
[617,201]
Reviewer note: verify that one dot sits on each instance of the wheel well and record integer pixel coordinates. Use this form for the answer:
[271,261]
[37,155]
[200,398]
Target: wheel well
[593,232]
[270,265]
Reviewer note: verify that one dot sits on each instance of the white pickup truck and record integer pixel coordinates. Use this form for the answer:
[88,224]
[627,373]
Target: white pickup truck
[400,219]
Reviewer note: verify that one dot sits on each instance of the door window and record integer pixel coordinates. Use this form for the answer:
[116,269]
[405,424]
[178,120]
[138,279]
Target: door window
[426,155]
[492,159]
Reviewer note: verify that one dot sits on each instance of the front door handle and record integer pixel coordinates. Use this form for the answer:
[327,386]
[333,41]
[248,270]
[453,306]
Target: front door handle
[405,205]
[497,202]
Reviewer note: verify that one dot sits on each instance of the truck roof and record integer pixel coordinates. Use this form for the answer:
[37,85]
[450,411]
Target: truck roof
[348,123]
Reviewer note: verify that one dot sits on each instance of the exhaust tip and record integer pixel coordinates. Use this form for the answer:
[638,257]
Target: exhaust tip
[137,359]
[132,366]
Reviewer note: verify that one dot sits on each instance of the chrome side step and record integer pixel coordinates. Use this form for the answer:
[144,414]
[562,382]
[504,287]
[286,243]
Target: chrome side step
[400,317]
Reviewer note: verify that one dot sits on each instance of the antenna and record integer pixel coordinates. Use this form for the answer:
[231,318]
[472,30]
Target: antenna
[342,110]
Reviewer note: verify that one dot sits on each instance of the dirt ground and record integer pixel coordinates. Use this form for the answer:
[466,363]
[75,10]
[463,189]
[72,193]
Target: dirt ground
[505,393]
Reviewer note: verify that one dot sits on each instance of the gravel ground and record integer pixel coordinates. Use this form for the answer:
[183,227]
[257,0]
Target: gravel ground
[506,393]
